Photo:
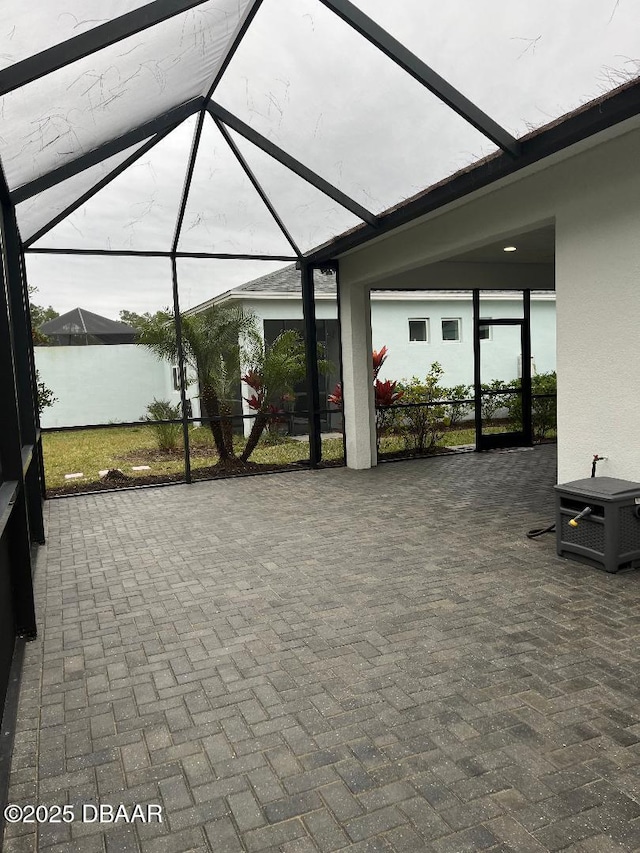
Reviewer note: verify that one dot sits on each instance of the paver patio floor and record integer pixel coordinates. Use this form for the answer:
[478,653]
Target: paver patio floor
[315,661]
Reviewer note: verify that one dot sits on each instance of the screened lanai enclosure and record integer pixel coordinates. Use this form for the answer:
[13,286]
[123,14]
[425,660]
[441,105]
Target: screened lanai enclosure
[157,155]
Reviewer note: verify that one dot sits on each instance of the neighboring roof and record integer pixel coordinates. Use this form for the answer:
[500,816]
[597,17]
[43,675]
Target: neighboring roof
[79,321]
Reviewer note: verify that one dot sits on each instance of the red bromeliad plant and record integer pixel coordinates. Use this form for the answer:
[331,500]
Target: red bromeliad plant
[274,413]
[386,393]
[379,358]
[273,372]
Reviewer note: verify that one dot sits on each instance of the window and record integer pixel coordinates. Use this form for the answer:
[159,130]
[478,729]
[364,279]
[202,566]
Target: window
[419,330]
[451,330]
[175,375]
[485,332]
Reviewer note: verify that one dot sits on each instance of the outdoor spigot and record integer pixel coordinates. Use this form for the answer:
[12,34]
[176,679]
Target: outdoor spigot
[574,521]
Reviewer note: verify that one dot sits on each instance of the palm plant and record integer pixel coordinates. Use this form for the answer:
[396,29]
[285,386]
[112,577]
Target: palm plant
[210,344]
[272,374]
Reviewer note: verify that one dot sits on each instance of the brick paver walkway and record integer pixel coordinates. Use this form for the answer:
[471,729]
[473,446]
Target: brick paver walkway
[378,661]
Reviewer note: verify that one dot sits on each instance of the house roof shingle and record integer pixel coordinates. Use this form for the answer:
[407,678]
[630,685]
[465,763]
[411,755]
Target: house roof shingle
[287,280]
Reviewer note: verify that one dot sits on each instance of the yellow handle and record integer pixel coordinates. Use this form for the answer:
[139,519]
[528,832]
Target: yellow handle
[573,523]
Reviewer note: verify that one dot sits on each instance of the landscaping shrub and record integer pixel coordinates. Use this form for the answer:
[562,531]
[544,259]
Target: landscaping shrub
[423,426]
[543,410]
[167,435]
[460,407]
[492,403]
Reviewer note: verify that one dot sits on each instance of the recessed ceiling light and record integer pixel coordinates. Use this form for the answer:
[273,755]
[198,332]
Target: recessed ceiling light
[510,249]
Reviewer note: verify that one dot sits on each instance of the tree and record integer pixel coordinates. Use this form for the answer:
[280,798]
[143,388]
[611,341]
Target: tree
[45,397]
[211,346]
[40,315]
[146,320]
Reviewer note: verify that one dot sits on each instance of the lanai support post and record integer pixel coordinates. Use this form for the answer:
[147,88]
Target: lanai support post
[16,523]
[311,352]
[181,370]
[357,376]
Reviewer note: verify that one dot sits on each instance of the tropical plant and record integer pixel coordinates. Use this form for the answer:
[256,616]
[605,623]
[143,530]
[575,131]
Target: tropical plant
[386,394]
[424,422]
[167,435]
[543,404]
[44,396]
[211,347]
[272,374]
[459,405]
[492,402]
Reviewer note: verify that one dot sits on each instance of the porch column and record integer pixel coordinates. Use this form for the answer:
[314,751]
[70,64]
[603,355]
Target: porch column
[598,318]
[357,375]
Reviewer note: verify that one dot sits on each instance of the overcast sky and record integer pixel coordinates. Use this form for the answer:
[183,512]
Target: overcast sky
[308,82]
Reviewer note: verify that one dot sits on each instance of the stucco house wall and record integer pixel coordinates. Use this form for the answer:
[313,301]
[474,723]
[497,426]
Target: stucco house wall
[390,314]
[591,195]
[102,384]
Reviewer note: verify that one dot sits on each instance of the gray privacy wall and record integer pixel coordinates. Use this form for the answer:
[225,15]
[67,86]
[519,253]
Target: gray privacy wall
[99,384]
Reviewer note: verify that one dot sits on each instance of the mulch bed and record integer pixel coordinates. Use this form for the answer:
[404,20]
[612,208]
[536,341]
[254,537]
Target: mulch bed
[414,454]
[112,482]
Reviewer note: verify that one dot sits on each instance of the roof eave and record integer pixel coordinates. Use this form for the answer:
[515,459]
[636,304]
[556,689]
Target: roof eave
[598,115]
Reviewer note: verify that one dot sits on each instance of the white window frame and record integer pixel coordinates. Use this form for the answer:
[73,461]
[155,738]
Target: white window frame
[457,320]
[424,320]
[175,376]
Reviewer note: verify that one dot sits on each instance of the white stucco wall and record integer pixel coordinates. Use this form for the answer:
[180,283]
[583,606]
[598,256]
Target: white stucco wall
[289,308]
[390,316]
[592,194]
[598,262]
[390,328]
[99,384]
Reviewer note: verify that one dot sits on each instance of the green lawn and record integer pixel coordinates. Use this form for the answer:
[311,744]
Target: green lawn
[93,450]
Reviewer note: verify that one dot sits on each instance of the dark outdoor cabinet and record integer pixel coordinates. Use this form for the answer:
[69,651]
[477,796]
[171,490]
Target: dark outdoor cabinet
[598,522]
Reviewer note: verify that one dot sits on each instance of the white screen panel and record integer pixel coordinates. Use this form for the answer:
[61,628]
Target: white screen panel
[335,102]
[29,28]
[311,217]
[40,209]
[524,64]
[199,280]
[74,110]
[100,380]
[224,212]
[138,209]
[105,285]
